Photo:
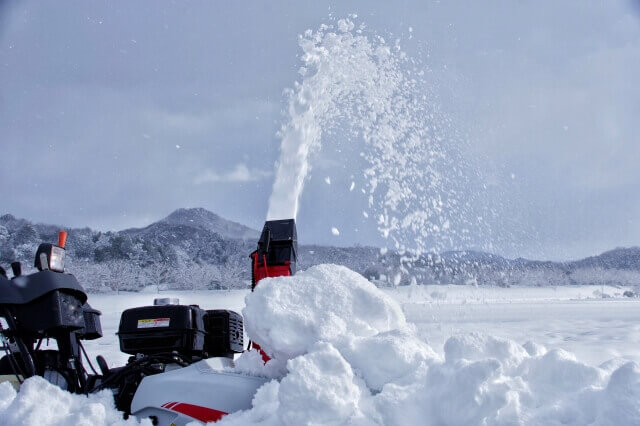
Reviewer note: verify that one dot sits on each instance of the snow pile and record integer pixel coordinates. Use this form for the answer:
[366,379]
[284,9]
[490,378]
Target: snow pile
[329,303]
[41,403]
[344,354]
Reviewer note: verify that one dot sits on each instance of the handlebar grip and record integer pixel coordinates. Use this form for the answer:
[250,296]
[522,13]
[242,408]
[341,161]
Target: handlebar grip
[62,238]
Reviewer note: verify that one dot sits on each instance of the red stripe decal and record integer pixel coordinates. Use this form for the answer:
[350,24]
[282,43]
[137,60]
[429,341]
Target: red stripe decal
[197,412]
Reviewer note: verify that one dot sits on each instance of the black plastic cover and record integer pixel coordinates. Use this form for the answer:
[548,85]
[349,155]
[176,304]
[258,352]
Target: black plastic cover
[92,327]
[27,288]
[55,312]
[161,329]
[279,243]
[224,333]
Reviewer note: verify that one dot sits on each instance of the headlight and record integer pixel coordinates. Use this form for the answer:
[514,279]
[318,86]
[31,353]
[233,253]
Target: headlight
[56,259]
[50,256]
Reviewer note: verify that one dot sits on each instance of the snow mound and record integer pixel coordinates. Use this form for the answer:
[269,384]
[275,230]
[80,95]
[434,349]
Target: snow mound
[60,408]
[396,355]
[288,315]
[344,354]
[326,375]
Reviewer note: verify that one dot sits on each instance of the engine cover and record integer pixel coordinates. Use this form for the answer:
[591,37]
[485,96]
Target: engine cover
[224,333]
[162,329]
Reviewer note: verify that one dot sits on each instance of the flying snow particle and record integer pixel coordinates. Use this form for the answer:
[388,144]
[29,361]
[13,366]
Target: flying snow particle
[177,146]
[396,279]
[335,231]
[327,180]
[353,185]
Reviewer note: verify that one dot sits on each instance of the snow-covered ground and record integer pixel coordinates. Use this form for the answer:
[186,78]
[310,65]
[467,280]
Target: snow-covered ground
[346,352]
[576,319]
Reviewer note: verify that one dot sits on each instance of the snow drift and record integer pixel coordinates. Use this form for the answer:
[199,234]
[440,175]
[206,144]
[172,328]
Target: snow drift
[343,353]
[41,403]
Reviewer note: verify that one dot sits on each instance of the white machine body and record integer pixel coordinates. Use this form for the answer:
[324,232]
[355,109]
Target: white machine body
[203,392]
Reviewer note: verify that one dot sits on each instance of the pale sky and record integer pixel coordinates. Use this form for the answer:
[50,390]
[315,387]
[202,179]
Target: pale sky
[113,114]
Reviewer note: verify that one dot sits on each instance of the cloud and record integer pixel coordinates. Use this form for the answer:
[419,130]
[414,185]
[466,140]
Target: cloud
[231,113]
[241,173]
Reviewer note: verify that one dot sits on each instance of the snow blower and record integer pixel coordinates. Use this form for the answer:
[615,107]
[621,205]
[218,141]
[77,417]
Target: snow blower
[180,354]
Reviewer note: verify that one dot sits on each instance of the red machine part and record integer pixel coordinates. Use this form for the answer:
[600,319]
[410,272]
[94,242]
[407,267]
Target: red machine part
[62,239]
[261,271]
[198,412]
[266,271]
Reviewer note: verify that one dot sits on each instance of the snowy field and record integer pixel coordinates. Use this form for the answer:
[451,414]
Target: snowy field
[346,352]
[575,319]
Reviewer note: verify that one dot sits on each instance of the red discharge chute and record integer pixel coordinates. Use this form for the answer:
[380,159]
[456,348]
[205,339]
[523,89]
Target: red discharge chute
[275,257]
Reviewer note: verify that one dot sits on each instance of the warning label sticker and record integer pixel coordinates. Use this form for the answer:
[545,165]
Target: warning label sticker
[155,322]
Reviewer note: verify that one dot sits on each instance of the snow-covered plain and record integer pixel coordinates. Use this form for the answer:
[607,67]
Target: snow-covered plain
[573,318]
[346,352]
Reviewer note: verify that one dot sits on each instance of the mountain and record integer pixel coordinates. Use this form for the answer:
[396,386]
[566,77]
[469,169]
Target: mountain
[195,248]
[619,258]
[199,218]
[189,248]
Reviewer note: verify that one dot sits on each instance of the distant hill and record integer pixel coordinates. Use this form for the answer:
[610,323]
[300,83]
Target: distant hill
[195,248]
[189,248]
[198,218]
[620,258]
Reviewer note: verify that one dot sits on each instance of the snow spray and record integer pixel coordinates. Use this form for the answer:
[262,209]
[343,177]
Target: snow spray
[414,182]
